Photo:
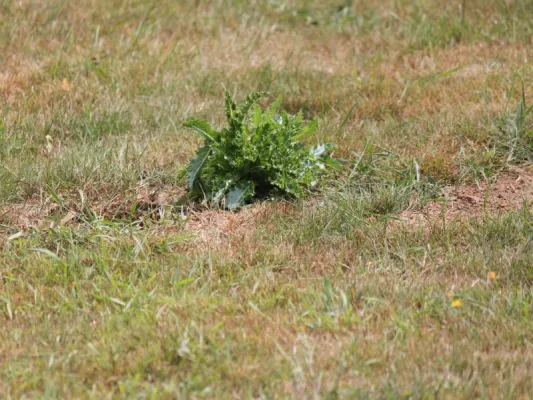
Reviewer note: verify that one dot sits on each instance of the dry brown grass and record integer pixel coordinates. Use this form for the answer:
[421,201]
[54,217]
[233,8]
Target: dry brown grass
[110,289]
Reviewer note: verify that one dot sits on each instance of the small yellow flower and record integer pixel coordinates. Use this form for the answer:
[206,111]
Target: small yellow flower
[491,275]
[457,304]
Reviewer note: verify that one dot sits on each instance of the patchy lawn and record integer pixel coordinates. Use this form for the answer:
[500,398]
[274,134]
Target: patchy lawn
[407,275]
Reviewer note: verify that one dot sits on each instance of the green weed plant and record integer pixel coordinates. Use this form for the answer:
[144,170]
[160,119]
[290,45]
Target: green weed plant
[259,154]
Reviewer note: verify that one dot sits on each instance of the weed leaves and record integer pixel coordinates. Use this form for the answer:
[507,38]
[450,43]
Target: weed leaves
[257,155]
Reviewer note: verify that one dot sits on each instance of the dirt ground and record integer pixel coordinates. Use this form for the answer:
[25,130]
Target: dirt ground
[510,191]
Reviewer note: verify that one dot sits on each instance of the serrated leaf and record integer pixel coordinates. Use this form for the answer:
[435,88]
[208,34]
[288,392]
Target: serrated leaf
[237,195]
[230,106]
[310,127]
[245,107]
[223,189]
[202,127]
[260,146]
[274,107]
[196,165]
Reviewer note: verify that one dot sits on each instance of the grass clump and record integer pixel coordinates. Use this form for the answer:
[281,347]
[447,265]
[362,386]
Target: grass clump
[258,154]
[516,133]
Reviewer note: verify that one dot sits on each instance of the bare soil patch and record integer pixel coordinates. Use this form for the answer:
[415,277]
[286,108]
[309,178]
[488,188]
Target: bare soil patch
[43,212]
[27,215]
[214,227]
[508,192]
[219,228]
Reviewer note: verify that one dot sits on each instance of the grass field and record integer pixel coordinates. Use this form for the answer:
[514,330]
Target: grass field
[407,275]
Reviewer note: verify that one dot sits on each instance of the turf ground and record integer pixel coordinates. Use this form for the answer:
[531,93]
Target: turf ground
[407,275]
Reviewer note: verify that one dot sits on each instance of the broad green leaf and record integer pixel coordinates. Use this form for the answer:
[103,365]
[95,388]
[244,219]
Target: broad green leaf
[237,195]
[258,116]
[196,165]
[202,127]
[332,163]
